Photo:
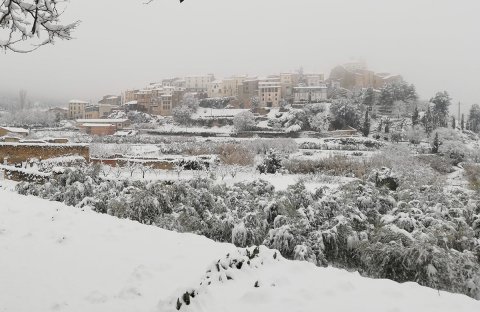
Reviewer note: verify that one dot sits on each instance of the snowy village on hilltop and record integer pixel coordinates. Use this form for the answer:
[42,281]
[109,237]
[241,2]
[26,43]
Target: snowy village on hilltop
[357,189]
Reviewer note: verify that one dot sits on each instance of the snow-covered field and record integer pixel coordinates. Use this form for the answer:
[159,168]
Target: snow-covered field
[58,258]
[279,181]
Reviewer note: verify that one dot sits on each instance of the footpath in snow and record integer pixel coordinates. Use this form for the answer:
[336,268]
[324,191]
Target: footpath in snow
[59,258]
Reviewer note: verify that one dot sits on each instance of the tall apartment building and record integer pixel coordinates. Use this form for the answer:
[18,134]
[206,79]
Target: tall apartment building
[270,92]
[198,83]
[76,109]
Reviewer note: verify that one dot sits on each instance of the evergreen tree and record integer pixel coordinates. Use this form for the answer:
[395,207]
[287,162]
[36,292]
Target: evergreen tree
[366,124]
[345,113]
[462,122]
[369,99]
[255,103]
[415,116]
[474,118]
[436,144]
[428,121]
[387,95]
[441,102]
[453,122]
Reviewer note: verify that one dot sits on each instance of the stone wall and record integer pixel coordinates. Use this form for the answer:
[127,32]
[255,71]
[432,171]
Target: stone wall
[17,152]
[21,175]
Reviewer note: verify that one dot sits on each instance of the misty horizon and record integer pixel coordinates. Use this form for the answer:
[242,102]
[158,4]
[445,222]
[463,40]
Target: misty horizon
[120,47]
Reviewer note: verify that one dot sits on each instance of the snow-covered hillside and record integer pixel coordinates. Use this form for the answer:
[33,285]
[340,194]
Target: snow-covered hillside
[59,258]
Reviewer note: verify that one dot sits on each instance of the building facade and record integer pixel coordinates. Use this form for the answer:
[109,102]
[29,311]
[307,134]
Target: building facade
[198,83]
[304,95]
[76,109]
[313,80]
[247,91]
[215,89]
[111,100]
[270,92]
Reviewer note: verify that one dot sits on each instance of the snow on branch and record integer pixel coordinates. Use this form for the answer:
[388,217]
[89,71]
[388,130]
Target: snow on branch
[26,25]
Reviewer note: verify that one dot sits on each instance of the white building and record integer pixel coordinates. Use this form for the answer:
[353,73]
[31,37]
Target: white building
[76,109]
[313,80]
[215,89]
[303,95]
[270,92]
[198,83]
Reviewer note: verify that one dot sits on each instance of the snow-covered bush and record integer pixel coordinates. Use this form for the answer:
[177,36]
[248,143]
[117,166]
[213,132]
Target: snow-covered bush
[271,163]
[282,146]
[235,154]
[182,114]
[244,121]
[345,113]
[419,231]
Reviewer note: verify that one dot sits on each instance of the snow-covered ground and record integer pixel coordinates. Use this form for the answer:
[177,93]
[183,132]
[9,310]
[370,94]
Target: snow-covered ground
[322,154]
[59,258]
[279,181]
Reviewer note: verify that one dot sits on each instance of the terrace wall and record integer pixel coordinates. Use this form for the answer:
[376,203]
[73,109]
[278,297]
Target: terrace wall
[17,152]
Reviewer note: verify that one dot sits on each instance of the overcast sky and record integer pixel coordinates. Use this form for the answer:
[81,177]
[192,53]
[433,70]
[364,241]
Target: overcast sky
[123,44]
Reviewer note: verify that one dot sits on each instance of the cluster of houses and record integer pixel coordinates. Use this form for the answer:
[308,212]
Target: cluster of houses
[241,91]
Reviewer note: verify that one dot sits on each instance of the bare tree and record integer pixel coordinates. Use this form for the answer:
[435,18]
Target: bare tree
[26,25]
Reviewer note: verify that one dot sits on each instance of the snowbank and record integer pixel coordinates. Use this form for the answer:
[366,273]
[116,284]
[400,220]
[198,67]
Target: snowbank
[58,258]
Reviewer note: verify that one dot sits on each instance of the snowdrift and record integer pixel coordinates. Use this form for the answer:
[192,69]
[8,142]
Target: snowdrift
[58,258]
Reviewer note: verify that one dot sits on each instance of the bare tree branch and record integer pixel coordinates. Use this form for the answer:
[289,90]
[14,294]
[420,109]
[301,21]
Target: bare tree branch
[26,25]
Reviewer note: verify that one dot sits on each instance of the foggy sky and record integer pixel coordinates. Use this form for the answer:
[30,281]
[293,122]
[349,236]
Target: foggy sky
[123,44]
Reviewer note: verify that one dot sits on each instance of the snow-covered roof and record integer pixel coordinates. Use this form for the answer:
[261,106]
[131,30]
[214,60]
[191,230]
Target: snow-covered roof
[102,121]
[15,130]
[312,87]
[34,141]
[78,102]
[132,103]
[97,125]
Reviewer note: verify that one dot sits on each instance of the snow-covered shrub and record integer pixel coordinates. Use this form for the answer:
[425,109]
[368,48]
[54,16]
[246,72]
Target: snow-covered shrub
[218,103]
[384,177]
[454,150]
[304,253]
[345,113]
[282,146]
[332,165]
[239,235]
[421,231]
[472,171]
[244,121]
[271,163]
[235,154]
[182,114]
